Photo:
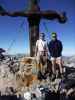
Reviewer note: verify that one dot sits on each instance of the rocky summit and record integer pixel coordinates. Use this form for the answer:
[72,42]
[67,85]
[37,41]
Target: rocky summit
[18,79]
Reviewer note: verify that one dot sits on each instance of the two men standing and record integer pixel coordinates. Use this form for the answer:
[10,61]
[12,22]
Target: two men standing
[54,48]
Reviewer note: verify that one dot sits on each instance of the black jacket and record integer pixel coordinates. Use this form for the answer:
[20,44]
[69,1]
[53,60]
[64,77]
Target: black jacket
[55,48]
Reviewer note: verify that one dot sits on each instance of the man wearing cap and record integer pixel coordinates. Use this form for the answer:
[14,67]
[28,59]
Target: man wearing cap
[41,52]
[55,49]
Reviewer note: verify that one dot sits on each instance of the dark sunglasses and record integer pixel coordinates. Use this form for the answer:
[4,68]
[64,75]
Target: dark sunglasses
[53,36]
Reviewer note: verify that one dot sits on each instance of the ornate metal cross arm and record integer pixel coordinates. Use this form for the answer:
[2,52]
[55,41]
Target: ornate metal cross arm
[51,15]
[14,14]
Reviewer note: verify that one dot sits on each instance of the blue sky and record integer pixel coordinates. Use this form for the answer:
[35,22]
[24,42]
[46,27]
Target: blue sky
[17,28]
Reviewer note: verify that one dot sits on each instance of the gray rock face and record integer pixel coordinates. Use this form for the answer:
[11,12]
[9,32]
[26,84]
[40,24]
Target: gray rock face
[12,79]
[7,78]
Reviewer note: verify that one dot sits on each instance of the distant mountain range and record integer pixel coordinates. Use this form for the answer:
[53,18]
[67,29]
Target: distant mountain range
[69,61]
[70,58]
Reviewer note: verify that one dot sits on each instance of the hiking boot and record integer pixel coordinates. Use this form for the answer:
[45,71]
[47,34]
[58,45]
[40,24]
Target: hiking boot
[62,76]
[53,77]
[41,76]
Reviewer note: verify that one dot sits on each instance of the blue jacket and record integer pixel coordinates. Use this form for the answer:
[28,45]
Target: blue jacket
[55,48]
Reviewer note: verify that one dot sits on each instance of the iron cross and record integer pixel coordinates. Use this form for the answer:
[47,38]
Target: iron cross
[34,15]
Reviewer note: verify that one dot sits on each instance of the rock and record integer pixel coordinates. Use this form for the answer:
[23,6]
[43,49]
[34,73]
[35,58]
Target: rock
[27,96]
[18,77]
